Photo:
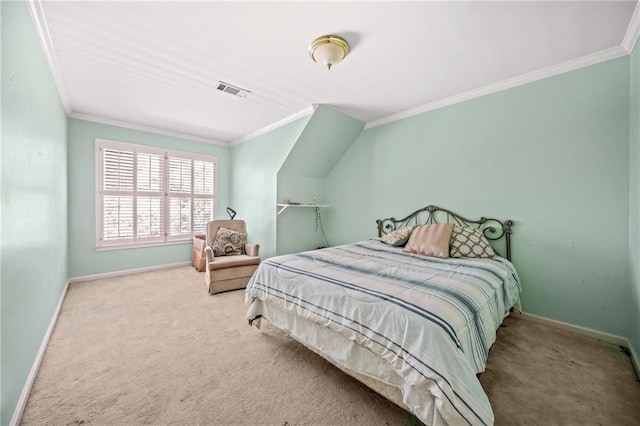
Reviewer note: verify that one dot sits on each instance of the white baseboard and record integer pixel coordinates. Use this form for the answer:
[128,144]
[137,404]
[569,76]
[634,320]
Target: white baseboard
[635,360]
[589,332]
[26,390]
[94,277]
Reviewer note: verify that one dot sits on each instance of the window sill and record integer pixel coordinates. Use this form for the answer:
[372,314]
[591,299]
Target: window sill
[144,245]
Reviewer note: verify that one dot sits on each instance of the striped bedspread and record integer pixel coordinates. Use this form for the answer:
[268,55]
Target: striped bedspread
[432,320]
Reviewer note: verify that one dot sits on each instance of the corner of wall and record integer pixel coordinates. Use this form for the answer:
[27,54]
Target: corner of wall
[634,198]
[321,144]
[254,169]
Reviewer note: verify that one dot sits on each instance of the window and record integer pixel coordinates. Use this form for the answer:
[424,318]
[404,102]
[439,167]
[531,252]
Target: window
[147,195]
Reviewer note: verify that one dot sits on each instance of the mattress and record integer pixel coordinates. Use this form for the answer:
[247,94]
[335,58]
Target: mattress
[420,326]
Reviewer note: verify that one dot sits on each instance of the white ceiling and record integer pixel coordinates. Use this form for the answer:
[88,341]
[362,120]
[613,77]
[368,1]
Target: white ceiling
[156,65]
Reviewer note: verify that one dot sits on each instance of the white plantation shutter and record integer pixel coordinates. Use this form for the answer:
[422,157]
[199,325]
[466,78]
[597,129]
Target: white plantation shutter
[118,218]
[179,216]
[150,197]
[202,213]
[180,175]
[150,172]
[146,195]
[149,211]
[203,175]
[118,170]
[191,194]
[204,194]
[117,195]
[180,185]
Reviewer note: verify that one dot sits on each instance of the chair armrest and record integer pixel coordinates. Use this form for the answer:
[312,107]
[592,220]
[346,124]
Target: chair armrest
[209,252]
[252,249]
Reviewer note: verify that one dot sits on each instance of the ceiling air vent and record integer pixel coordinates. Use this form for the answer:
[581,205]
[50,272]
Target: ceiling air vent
[232,90]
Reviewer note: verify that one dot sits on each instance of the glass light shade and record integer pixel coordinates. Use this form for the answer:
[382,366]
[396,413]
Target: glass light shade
[329,50]
[329,54]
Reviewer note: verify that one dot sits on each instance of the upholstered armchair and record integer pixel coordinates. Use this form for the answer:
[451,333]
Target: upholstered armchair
[234,269]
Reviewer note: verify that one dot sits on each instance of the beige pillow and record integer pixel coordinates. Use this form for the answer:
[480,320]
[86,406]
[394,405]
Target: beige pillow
[430,240]
[399,237]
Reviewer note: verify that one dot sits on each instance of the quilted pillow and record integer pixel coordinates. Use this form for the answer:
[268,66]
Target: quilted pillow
[229,242]
[470,242]
[399,237]
[430,240]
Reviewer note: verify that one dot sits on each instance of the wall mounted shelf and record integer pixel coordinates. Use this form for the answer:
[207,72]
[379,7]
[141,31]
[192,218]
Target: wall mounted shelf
[283,207]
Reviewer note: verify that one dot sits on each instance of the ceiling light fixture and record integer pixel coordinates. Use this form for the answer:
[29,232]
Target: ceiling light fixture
[328,50]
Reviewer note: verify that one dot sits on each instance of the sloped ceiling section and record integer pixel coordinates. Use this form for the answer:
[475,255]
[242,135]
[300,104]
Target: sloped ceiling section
[322,143]
[157,65]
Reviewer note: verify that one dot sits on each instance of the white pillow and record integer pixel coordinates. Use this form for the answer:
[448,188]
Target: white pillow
[399,237]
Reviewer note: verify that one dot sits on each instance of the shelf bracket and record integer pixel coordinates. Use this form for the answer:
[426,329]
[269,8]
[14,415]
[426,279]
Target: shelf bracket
[282,208]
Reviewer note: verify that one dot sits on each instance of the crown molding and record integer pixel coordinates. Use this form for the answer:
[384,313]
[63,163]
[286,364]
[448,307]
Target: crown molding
[574,64]
[40,23]
[631,36]
[149,129]
[270,127]
[633,31]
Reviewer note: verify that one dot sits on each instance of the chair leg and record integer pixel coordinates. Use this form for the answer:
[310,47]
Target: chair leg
[207,280]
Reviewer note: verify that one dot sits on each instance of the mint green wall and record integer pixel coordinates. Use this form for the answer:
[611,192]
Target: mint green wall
[551,155]
[84,260]
[324,140]
[634,200]
[254,170]
[33,202]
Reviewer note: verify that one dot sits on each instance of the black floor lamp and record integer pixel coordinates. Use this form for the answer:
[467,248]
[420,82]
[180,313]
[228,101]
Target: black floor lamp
[231,212]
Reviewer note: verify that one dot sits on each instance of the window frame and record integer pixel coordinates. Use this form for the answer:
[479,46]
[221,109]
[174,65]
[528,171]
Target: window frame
[165,238]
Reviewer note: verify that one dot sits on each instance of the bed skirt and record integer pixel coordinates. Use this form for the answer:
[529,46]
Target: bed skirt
[353,359]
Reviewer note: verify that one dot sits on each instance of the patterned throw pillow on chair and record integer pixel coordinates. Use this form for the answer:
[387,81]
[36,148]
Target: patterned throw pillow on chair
[470,242]
[229,242]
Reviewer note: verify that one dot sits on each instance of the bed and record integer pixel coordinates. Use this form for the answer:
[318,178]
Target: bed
[416,329]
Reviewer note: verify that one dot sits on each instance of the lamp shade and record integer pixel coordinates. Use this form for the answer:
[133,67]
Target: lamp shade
[329,50]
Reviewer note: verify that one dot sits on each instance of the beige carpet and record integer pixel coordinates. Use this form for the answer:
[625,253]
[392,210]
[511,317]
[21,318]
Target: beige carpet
[154,348]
